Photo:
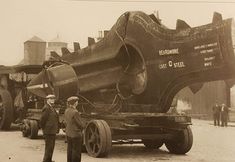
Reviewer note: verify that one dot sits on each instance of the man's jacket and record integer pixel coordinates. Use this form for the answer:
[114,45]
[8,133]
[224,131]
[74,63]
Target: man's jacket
[49,120]
[73,121]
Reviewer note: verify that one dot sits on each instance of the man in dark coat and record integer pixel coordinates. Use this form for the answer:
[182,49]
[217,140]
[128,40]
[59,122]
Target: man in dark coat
[50,126]
[73,130]
[224,115]
[216,114]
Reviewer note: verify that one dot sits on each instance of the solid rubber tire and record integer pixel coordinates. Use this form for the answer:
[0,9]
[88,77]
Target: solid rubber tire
[7,116]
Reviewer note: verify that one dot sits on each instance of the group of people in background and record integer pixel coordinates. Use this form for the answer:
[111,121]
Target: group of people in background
[50,127]
[220,114]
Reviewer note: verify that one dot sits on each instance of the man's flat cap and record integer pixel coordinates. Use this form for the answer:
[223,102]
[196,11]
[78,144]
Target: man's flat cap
[50,96]
[72,98]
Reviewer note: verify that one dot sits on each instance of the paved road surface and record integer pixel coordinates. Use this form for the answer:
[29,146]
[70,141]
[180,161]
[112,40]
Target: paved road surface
[211,144]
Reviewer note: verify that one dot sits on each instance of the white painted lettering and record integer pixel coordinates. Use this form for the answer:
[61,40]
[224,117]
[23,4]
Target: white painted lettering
[207,64]
[170,63]
[205,46]
[209,50]
[179,65]
[168,52]
[212,44]
[162,66]
[203,51]
[209,58]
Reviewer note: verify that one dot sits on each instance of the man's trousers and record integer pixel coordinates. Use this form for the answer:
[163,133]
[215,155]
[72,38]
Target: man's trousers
[49,147]
[74,149]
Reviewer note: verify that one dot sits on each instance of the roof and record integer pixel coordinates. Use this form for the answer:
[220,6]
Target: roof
[57,39]
[29,69]
[35,39]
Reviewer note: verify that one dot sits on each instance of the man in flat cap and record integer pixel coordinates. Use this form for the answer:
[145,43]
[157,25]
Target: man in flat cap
[216,114]
[73,130]
[50,126]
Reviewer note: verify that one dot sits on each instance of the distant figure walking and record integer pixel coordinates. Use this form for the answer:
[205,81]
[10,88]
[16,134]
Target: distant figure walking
[224,115]
[216,114]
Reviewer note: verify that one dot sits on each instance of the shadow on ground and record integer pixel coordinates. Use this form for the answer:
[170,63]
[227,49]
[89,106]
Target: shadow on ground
[138,151]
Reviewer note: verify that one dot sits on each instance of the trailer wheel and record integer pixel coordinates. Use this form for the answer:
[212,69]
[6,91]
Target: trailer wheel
[25,128]
[98,138]
[33,134]
[182,144]
[152,143]
[6,109]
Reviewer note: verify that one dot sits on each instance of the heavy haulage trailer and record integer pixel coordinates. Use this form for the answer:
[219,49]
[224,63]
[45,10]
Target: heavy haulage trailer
[127,81]
[104,129]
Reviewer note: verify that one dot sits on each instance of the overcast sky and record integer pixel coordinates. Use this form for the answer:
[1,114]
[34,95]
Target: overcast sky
[76,20]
